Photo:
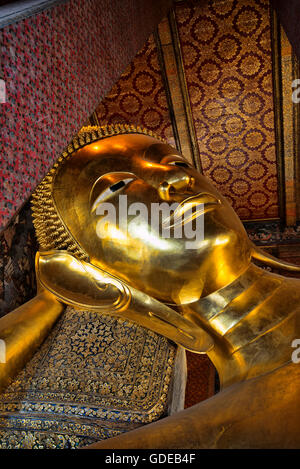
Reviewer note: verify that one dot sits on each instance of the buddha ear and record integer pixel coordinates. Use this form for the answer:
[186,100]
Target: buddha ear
[86,287]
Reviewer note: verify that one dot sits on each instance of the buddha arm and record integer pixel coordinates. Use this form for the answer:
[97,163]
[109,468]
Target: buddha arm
[23,330]
[263,412]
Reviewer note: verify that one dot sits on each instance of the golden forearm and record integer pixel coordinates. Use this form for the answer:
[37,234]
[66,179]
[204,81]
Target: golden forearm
[23,330]
[260,413]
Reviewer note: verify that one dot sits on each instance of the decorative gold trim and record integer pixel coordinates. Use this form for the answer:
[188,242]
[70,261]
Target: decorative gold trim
[184,90]
[278,110]
[162,65]
[261,220]
[296,134]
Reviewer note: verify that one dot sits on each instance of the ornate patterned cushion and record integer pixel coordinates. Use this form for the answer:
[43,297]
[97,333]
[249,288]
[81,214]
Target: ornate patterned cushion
[93,378]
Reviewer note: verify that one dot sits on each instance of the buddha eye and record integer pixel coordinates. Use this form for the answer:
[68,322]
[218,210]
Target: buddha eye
[120,184]
[103,188]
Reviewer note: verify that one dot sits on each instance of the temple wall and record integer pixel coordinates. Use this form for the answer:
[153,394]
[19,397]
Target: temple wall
[139,96]
[58,65]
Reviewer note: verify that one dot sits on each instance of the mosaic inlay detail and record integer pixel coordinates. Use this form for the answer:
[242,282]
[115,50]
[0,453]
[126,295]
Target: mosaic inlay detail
[94,377]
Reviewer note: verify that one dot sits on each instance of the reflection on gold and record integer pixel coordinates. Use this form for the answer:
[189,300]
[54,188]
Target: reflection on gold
[107,231]
[221,240]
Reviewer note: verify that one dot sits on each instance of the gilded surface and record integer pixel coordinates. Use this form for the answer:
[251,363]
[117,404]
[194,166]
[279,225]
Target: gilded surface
[83,285]
[94,377]
[51,230]
[114,376]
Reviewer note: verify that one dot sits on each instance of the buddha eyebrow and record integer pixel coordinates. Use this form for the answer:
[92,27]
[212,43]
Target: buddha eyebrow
[106,193]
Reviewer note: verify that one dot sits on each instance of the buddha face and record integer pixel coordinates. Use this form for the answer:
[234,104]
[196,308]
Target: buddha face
[134,175]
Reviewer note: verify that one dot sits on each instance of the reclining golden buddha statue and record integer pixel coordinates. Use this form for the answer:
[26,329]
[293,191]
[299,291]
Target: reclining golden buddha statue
[119,294]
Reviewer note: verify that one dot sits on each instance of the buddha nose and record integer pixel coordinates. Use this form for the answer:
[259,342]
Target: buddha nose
[178,182]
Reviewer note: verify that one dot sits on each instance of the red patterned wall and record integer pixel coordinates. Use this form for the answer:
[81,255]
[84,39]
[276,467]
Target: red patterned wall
[226,50]
[58,65]
[139,96]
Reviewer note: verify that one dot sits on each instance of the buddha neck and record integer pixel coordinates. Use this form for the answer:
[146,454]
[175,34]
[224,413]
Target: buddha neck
[253,323]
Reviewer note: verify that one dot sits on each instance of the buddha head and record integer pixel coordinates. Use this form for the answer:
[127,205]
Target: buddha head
[127,168]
